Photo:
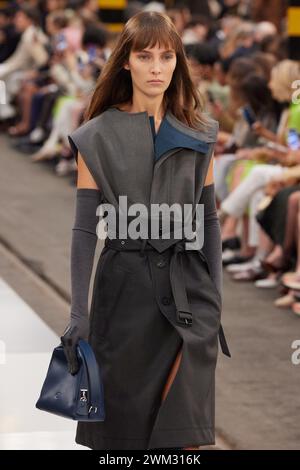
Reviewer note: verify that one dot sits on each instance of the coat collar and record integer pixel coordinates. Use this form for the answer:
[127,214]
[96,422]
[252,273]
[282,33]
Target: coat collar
[172,133]
[169,138]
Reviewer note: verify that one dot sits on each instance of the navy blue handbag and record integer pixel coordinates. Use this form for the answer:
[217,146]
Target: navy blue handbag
[80,396]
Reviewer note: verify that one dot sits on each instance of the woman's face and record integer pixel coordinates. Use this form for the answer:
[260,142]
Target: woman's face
[21,21]
[151,64]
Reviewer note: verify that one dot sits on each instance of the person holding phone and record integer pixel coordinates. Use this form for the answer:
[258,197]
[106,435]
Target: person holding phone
[235,204]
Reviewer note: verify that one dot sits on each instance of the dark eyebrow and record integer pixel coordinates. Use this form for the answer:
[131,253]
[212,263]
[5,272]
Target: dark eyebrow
[169,50]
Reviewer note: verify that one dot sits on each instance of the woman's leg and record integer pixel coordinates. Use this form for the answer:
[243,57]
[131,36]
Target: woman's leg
[282,253]
[169,382]
[172,375]
[25,98]
[243,194]
[237,201]
[290,239]
[60,124]
[246,249]
[253,208]
[297,241]
[296,305]
[221,168]
[265,244]
[237,175]
[229,227]
[48,103]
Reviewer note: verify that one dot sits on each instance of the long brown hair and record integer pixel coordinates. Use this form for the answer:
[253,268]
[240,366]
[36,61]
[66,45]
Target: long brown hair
[114,85]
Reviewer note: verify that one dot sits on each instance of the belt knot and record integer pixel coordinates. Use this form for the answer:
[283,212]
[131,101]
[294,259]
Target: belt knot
[179,247]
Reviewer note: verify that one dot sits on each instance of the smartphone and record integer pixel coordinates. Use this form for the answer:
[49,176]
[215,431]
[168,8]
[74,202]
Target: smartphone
[293,140]
[61,43]
[249,115]
[92,53]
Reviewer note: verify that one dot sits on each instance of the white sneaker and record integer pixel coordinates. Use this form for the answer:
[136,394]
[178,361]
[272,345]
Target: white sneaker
[47,152]
[64,167]
[252,264]
[37,135]
[7,111]
[267,283]
[227,254]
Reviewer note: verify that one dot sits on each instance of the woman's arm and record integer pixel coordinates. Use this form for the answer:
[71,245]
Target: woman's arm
[212,247]
[84,177]
[83,245]
[262,131]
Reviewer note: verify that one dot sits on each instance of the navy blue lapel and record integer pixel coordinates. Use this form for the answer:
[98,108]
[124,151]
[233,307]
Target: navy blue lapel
[169,137]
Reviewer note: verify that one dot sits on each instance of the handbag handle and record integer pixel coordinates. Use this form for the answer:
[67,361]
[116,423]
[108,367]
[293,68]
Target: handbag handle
[88,356]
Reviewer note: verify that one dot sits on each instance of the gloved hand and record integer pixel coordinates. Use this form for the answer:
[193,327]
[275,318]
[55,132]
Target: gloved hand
[84,239]
[77,329]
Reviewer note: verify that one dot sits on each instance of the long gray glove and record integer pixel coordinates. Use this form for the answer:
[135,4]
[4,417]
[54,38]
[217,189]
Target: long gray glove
[212,247]
[84,240]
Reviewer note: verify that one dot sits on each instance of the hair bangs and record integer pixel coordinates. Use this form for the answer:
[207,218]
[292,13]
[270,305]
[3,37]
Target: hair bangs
[149,36]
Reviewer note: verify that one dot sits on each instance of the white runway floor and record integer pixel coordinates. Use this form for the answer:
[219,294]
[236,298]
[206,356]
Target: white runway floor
[26,345]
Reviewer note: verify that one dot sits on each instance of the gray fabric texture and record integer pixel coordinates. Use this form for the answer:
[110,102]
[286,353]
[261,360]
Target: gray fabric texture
[212,247]
[83,245]
[84,240]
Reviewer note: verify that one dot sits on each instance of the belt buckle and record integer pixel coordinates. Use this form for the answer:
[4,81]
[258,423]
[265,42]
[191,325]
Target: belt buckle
[185,317]
[91,408]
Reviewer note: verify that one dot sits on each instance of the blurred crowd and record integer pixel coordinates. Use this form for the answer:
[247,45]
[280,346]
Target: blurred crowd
[52,51]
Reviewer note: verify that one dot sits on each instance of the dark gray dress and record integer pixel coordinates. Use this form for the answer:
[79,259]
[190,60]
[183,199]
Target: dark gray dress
[150,300]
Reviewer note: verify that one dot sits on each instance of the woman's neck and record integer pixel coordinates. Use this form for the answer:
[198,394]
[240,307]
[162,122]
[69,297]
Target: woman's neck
[156,111]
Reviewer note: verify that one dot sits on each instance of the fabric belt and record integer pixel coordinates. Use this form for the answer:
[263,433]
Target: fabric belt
[183,311]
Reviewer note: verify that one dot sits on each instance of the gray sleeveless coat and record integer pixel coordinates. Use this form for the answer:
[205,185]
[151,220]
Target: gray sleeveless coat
[145,308]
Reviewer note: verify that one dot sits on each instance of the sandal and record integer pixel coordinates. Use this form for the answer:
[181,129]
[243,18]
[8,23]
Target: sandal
[296,295]
[273,268]
[233,243]
[296,308]
[46,153]
[286,301]
[17,131]
[248,275]
[291,280]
